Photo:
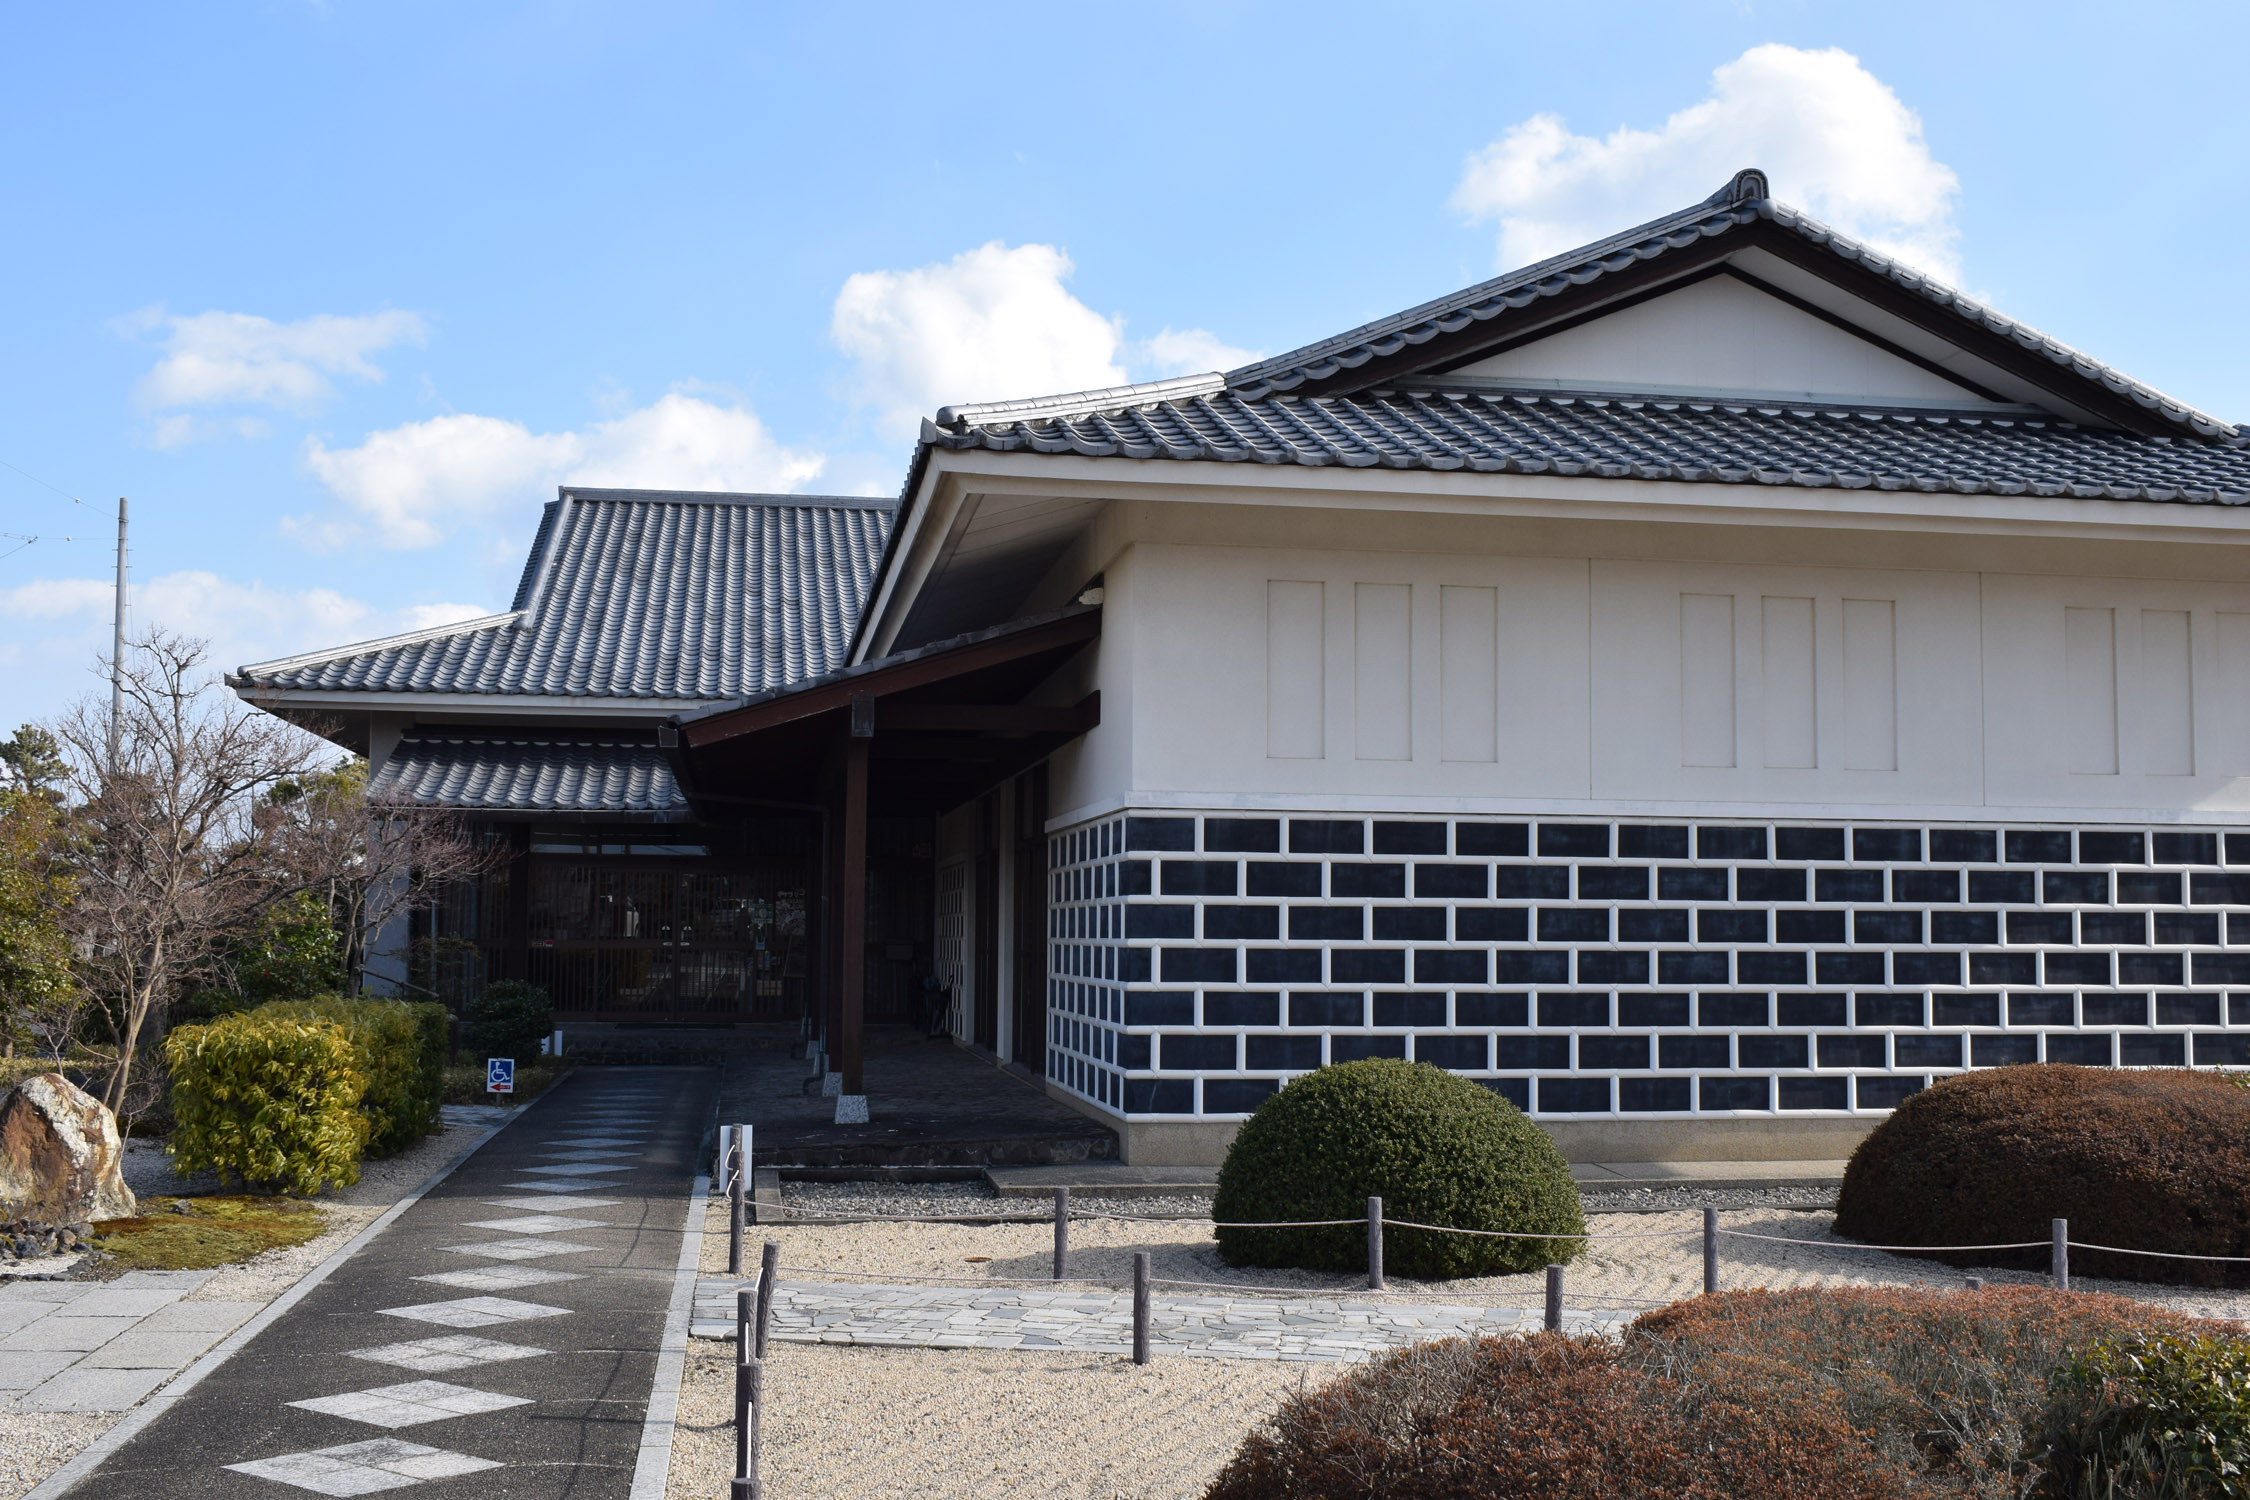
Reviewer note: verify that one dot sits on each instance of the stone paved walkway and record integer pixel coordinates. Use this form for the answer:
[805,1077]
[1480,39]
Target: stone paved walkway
[1095,1321]
[102,1346]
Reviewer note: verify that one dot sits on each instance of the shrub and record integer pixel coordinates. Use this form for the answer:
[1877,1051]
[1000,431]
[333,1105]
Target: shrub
[1748,1395]
[508,1019]
[269,1100]
[2164,1416]
[1435,1147]
[2155,1160]
[401,1049]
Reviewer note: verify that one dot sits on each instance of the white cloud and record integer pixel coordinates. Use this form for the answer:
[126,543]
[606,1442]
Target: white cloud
[995,324]
[1832,138]
[416,483]
[230,359]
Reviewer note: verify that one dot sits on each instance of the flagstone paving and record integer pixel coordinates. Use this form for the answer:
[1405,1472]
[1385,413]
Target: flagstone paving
[102,1346]
[521,1333]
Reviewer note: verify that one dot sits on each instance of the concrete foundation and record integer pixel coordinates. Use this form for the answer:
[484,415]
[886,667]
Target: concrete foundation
[1203,1143]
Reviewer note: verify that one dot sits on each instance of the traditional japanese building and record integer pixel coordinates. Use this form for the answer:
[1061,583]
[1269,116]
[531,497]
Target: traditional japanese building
[1703,686]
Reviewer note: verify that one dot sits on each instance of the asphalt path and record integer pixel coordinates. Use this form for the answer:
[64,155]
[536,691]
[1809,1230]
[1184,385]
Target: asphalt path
[499,1338]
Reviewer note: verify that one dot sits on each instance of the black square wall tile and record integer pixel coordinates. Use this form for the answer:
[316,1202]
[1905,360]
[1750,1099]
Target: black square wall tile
[2187,927]
[1690,1052]
[1377,881]
[1241,1008]
[1491,1010]
[1272,878]
[1327,1008]
[1725,1009]
[2039,1010]
[1539,966]
[2080,967]
[1925,968]
[1132,1051]
[1282,1053]
[1452,882]
[1574,1096]
[1133,965]
[1573,924]
[1964,927]
[2148,888]
[1788,1051]
[1730,925]
[1252,922]
[1656,1010]
[2151,1050]
[2220,890]
[1770,968]
[1887,1092]
[2003,887]
[1367,965]
[1359,1048]
[1133,878]
[2187,1010]
[1887,1010]
[1199,877]
[1652,841]
[1236,1096]
[1926,885]
[1450,966]
[1686,966]
[1409,1010]
[1795,1009]
[1493,840]
[2187,848]
[1282,966]
[1178,1052]
[1163,835]
[2113,927]
[2074,887]
[1613,882]
[1160,921]
[1409,924]
[1242,835]
[1606,966]
[2111,848]
[2238,1010]
[1848,968]
[1851,1051]
[2237,847]
[1197,965]
[1964,1010]
[2220,968]
[1939,1051]
[1733,1093]
[1714,842]
[1808,845]
[1808,926]
[1968,846]
[1847,885]
[1491,924]
[1326,836]
[1531,1051]
[2088,1049]
[1654,925]
[1336,923]
[2038,927]
[1160,1096]
[2221,1049]
[2114,1009]
[1992,1050]
[1681,884]
[1887,845]
[1516,1091]
[1655,1095]
[1531,882]
[2003,968]
[1466,1054]
[2151,968]
[1886,927]
[2030,846]
[1613,1052]
[1573,1010]
[1814,1093]
[1574,840]
[1409,838]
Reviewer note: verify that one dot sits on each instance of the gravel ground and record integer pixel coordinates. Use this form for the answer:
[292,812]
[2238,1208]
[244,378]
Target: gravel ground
[1672,1199]
[944,1423]
[976,1198]
[34,1444]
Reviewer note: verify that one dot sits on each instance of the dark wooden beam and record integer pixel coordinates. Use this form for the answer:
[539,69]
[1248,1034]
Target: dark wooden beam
[852,916]
[980,718]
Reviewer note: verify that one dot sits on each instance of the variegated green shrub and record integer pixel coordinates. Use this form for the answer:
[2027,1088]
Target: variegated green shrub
[271,1101]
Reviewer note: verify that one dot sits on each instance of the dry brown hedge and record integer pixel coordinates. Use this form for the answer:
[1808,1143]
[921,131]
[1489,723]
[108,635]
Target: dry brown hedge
[1801,1395]
[2151,1160]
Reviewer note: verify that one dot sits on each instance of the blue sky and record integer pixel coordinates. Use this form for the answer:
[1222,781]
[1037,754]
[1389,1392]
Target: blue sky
[337,293]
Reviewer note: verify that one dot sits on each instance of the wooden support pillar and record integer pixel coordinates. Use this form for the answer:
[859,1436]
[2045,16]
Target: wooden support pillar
[852,909]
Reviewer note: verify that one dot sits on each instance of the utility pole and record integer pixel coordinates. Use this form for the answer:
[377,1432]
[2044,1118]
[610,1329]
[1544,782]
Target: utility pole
[117,647]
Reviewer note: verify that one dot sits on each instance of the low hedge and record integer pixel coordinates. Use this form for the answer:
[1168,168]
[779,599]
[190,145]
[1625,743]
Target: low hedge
[1435,1147]
[1829,1394]
[2165,1415]
[508,1018]
[271,1101]
[401,1047]
[2144,1160]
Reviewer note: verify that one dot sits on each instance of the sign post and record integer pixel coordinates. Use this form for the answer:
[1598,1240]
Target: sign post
[499,1075]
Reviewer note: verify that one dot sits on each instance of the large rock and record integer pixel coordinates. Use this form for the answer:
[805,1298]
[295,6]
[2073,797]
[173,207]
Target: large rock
[60,1159]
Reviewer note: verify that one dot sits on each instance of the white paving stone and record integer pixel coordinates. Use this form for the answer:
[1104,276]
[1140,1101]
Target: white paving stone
[535,1224]
[363,1468]
[410,1404]
[574,1169]
[566,1187]
[457,1351]
[519,1249]
[588,1153]
[475,1312]
[499,1278]
[599,1140]
[549,1204]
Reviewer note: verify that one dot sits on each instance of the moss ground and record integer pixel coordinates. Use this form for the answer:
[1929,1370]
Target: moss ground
[216,1231]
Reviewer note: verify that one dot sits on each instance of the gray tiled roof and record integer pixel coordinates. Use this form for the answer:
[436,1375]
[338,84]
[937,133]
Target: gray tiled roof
[1435,425]
[1740,204]
[508,774]
[641,594]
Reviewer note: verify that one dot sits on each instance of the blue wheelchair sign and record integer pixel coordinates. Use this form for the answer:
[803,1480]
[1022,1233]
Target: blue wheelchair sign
[499,1075]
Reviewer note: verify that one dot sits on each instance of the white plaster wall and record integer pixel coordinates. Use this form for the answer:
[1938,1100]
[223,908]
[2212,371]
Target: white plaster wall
[1442,681]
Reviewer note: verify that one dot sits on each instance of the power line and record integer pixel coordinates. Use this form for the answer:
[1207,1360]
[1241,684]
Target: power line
[43,484]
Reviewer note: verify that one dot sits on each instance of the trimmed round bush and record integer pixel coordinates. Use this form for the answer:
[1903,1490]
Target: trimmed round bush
[508,1019]
[2150,1160]
[1436,1148]
[268,1100]
[401,1047]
